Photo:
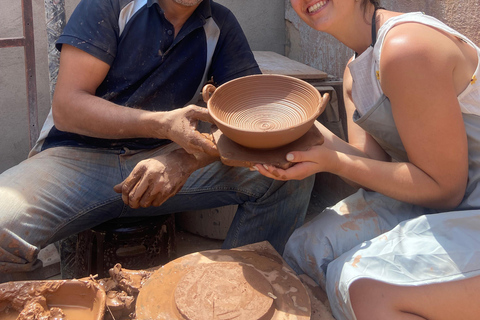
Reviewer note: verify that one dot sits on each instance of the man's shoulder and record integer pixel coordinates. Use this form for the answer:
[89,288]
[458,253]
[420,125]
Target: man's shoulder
[218,7]
[119,5]
[219,11]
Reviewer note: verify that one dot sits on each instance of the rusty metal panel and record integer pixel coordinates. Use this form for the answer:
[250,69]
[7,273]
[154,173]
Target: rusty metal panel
[12,42]
[30,70]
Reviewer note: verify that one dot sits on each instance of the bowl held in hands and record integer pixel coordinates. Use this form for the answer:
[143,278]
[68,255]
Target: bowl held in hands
[263,111]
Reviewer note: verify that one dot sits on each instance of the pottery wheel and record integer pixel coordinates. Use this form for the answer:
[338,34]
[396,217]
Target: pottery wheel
[223,284]
[215,291]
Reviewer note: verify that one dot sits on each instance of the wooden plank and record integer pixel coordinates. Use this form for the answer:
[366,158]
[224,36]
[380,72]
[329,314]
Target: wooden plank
[12,42]
[30,71]
[273,63]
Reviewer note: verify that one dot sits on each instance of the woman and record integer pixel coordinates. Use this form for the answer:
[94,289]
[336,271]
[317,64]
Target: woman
[407,244]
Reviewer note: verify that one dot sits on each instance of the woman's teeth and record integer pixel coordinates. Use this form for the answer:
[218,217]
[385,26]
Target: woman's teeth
[316,6]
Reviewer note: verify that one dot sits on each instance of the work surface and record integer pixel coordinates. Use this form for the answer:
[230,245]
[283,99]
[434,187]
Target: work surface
[273,63]
[270,279]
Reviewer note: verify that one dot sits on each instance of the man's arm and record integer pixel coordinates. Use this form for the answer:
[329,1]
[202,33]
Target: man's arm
[76,108]
[153,181]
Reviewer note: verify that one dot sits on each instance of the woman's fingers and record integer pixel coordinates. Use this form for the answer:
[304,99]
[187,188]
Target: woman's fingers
[271,171]
[304,166]
[302,156]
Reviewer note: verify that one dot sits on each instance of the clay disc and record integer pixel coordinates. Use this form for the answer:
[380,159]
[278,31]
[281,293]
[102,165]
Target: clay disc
[223,290]
[170,291]
[235,155]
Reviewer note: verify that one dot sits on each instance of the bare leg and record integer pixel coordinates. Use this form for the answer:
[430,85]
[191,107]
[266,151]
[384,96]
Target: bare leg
[458,299]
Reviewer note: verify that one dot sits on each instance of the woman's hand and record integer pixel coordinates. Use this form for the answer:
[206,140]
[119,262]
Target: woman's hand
[316,159]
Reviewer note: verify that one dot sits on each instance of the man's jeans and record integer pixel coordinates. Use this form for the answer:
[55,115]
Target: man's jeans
[63,190]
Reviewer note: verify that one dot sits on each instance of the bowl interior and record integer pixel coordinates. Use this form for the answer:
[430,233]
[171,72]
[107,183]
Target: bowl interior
[264,103]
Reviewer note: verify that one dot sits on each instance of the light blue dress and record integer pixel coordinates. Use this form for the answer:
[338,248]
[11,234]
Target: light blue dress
[368,235]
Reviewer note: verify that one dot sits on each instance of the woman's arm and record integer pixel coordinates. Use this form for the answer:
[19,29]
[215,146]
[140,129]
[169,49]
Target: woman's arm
[418,66]
[422,72]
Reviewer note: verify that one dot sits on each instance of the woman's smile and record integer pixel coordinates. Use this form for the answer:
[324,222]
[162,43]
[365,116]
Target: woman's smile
[317,6]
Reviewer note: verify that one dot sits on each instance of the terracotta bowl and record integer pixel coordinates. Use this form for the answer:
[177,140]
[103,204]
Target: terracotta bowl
[263,111]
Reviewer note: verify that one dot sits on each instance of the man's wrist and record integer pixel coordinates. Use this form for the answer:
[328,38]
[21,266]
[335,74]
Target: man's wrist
[204,159]
[193,162]
[156,125]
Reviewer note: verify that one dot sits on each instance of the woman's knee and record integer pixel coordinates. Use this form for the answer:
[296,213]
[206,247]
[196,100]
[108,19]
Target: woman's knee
[314,245]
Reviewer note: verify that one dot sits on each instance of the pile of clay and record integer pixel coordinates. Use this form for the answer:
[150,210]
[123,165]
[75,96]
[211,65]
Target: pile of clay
[122,289]
[84,299]
[48,300]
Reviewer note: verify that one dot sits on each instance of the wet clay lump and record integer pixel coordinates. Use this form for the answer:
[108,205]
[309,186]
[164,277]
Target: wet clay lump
[60,299]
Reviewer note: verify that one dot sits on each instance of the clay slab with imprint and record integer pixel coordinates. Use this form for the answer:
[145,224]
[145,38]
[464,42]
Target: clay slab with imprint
[250,282]
[236,155]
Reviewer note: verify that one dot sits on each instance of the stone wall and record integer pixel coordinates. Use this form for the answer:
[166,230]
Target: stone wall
[324,52]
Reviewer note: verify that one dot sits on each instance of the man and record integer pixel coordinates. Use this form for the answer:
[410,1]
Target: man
[119,130]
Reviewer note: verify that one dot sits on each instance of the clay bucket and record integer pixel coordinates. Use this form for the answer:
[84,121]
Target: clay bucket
[263,111]
[79,300]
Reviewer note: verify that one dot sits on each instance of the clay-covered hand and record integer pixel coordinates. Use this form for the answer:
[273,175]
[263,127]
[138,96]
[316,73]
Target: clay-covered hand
[316,159]
[155,180]
[180,126]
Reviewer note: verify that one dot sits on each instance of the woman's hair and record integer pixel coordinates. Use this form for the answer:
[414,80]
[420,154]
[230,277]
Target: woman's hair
[376,3]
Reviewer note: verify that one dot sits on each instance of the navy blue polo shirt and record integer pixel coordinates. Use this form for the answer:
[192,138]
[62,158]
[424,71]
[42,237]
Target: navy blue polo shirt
[151,69]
